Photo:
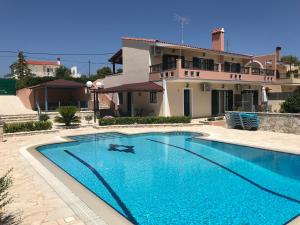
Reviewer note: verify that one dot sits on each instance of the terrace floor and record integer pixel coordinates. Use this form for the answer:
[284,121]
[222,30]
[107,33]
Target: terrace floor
[36,202]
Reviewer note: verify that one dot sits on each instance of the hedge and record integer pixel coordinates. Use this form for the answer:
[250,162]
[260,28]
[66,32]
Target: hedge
[27,126]
[143,120]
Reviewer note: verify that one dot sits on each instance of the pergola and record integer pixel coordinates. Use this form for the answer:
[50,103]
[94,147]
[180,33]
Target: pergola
[129,89]
[117,58]
[59,92]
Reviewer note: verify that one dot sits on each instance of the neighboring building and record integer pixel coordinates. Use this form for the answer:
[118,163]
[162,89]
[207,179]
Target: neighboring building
[74,72]
[40,68]
[195,81]
[286,81]
[43,68]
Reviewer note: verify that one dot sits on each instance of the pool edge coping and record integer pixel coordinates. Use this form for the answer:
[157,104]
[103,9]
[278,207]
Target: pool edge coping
[85,204]
[86,192]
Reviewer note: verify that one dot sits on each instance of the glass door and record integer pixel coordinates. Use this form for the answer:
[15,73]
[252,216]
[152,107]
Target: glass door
[187,102]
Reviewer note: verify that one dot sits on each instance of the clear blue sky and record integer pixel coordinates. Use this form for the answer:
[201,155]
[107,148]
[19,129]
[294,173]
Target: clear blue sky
[93,26]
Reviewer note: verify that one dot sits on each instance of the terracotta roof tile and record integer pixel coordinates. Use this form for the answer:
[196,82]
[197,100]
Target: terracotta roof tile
[35,62]
[60,83]
[143,86]
[184,45]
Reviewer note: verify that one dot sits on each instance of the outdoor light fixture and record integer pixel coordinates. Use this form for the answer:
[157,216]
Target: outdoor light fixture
[89,84]
[98,85]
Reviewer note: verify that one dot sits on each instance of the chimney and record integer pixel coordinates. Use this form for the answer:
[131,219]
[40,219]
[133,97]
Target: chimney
[278,54]
[58,61]
[218,39]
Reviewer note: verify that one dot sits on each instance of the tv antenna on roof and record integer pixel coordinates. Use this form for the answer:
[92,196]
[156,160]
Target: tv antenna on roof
[183,20]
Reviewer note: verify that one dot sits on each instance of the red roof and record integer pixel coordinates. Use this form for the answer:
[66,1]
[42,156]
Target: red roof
[143,86]
[35,62]
[141,39]
[60,83]
[183,45]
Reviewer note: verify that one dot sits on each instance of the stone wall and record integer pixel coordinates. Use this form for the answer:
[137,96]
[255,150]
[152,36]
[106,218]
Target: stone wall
[280,122]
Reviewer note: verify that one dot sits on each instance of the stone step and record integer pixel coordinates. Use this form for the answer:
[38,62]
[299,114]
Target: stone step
[19,118]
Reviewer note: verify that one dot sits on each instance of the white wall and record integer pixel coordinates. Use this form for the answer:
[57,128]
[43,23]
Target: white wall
[201,101]
[136,59]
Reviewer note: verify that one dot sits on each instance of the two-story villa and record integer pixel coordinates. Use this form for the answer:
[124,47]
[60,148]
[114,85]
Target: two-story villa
[40,68]
[168,79]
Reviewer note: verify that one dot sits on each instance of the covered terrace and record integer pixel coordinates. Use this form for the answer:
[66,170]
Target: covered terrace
[136,99]
[50,95]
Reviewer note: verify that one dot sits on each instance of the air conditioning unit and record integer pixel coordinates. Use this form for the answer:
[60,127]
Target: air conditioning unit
[205,87]
[156,51]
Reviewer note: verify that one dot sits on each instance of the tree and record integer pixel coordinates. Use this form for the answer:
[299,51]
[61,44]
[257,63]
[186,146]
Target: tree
[62,72]
[120,70]
[102,72]
[290,59]
[291,104]
[20,68]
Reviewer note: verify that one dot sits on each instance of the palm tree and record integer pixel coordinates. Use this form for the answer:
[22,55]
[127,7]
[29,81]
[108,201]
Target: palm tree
[67,115]
[290,59]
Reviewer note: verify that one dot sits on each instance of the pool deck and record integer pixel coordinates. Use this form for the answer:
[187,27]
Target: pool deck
[41,199]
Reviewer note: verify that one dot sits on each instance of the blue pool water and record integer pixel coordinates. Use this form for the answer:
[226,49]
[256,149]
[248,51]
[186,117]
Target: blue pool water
[174,178]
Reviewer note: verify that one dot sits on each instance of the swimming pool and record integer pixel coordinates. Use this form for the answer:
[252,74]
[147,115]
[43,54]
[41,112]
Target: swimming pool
[174,178]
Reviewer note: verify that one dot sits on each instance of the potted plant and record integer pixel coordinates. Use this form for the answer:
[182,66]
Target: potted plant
[88,118]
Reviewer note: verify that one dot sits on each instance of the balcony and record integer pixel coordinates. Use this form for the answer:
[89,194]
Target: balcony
[183,69]
[289,78]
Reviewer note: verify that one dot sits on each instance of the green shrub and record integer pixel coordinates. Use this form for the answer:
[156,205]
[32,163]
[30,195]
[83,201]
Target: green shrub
[43,117]
[291,104]
[27,126]
[143,120]
[67,115]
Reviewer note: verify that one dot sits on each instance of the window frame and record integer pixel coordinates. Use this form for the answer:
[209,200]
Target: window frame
[153,97]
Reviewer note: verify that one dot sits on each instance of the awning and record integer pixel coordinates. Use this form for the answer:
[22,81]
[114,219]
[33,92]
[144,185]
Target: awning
[59,84]
[134,87]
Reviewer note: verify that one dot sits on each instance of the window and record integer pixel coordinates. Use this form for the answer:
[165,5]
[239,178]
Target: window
[203,64]
[232,67]
[153,97]
[169,61]
[120,94]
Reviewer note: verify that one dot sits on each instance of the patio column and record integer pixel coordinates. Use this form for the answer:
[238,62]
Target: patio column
[166,106]
[114,68]
[46,99]
[132,108]
[88,97]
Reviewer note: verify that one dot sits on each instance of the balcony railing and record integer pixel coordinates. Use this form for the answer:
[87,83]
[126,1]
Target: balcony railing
[190,65]
[263,72]
[215,67]
[243,70]
[160,67]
